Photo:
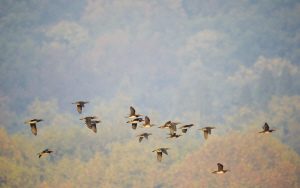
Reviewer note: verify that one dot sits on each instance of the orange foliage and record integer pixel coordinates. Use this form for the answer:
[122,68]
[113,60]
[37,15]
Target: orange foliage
[253,160]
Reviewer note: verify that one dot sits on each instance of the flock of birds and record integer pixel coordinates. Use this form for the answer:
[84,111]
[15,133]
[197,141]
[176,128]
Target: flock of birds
[137,119]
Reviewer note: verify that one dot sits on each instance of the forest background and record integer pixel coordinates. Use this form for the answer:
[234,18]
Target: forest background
[233,65]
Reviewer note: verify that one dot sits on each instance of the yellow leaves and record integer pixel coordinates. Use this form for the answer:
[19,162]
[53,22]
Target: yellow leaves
[254,159]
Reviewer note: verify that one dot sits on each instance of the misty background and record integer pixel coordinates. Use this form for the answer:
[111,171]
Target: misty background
[232,65]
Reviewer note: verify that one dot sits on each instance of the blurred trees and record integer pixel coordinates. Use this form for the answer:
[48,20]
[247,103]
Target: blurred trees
[253,160]
[207,63]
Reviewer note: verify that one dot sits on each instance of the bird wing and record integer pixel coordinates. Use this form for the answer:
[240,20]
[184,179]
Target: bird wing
[205,135]
[88,121]
[171,130]
[147,120]
[94,128]
[89,126]
[132,111]
[159,156]
[266,127]
[184,130]
[173,125]
[134,125]
[164,151]
[220,167]
[146,135]
[140,139]
[79,109]
[33,128]
[167,123]
[208,130]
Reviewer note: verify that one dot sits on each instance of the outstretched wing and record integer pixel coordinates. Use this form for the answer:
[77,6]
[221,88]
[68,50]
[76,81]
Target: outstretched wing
[220,167]
[94,128]
[171,131]
[33,128]
[164,150]
[159,156]
[205,135]
[208,130]
[173,125]
[167,123]
[140,139]
[147,120]
[132,111]
[79,109]
[266,127]
[146,135]
[134,125]
[89,126]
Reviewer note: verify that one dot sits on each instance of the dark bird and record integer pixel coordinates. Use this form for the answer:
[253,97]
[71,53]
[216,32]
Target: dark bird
[135,121]
[186,127]
[174,136]
[266,129]
[80,104]
[88,121]
[159,153]
[132,113]
[45,152]
[33,125]
[147,123]
[143,135]
[207,130]
[220,169]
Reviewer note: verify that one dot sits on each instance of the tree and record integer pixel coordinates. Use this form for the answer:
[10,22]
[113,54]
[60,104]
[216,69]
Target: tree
[254,160]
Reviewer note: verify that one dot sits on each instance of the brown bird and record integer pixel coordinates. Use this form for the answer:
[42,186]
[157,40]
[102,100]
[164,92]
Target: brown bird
[174,136]
[143,135]
[266,129]
[88,121]
[135,121]
[80,104]
[33,125]
[172,126]
[164,127]
[159,153]
[147,123]
[220,169]
[207,130]
[132,114]
[46,151]
[186,127]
